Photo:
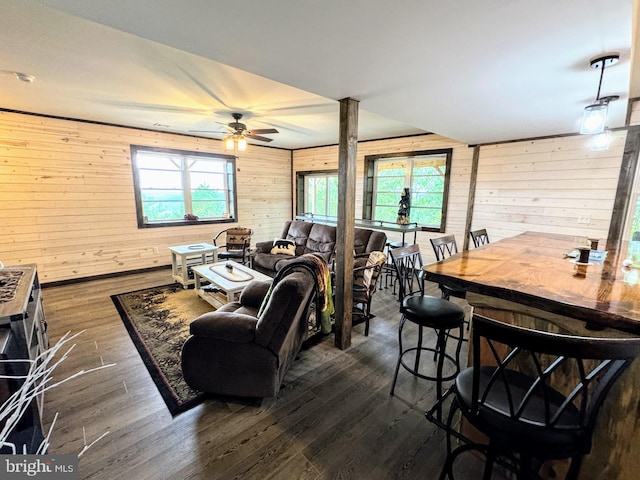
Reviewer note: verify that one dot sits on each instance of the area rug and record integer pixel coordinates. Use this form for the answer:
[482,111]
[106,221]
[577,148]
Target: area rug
[157,320]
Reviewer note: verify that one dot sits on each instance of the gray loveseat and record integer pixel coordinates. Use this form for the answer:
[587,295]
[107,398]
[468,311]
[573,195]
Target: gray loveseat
[313,238]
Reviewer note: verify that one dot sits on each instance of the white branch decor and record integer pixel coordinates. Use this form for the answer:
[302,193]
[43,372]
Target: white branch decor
[38,380]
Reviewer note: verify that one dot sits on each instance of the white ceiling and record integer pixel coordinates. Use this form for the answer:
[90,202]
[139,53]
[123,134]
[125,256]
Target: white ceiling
[475,71]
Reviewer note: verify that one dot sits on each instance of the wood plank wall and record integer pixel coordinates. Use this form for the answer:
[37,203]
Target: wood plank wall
[67,200]
[548,185]
[67,204]
[535,185]
[326,158]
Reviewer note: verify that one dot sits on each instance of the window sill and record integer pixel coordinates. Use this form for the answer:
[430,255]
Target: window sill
[182,223]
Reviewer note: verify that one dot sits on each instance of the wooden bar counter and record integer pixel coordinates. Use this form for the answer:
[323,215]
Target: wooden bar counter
[527,280]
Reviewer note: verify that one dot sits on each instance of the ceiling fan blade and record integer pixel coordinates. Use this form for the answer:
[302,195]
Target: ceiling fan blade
[260,131]
[258,137]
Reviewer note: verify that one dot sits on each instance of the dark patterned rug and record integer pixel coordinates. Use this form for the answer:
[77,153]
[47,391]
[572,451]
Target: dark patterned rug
[157,320]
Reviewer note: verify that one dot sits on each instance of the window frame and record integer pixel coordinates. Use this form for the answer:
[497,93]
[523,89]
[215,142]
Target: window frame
[370,183]
[301,192]
[230,164]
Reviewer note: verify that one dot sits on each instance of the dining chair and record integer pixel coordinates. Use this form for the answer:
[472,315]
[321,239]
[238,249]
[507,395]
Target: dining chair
[535,395]
[479,237]
[444,247]
[425,311]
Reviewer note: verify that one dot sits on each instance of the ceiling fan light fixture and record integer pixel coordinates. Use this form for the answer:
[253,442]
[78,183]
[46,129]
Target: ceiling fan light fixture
[235,142]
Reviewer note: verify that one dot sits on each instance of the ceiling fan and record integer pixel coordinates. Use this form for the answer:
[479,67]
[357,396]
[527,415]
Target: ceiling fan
[238,129]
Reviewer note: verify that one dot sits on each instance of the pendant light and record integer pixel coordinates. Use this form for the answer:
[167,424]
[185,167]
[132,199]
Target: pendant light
[595,115]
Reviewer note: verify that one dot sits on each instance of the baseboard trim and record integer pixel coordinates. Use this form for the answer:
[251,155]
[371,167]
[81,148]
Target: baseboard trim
[71,281]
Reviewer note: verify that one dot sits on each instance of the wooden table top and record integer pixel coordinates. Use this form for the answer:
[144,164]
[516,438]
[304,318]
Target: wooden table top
[531,269]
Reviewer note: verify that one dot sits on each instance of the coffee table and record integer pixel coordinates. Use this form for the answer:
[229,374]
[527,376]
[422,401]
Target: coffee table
[229,282]
[183,257]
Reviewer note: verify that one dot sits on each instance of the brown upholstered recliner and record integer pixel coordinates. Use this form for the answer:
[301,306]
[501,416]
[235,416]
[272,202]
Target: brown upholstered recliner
[233,351]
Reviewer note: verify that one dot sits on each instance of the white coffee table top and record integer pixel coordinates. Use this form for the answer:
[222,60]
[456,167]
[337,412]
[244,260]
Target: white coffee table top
[230,281]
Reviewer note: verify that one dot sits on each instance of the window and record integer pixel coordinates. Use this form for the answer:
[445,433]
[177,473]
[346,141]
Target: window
[425,173]
[172,183]
[318,193]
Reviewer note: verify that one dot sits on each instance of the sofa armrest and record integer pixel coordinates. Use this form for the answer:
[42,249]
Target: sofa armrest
[264,247]
[229,326]
[253,294]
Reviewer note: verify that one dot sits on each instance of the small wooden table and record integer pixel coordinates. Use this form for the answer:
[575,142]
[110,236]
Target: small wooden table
[526,280]
[185,257]
[229,282]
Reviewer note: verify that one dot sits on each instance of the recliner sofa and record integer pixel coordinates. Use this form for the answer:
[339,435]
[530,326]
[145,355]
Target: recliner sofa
[234,351]
[313,238]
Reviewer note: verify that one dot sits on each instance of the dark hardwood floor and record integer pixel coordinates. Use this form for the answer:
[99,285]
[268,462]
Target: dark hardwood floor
[334,418]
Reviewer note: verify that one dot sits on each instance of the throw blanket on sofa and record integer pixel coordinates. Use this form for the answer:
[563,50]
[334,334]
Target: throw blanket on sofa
[318,267]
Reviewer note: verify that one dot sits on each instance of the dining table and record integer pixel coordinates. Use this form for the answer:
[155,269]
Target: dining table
[537,280]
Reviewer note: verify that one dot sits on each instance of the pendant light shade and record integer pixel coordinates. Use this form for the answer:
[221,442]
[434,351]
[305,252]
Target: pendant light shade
[594,118]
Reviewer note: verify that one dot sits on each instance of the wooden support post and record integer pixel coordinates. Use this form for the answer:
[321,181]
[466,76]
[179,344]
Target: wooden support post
[625,186]
[472,196]
[347,149]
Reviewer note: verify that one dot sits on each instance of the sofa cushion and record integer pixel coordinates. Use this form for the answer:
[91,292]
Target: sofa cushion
[298,232]
[322,239]
[253,293]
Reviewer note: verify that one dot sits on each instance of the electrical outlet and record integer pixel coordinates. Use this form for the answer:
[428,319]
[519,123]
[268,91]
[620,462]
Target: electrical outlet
[585,219]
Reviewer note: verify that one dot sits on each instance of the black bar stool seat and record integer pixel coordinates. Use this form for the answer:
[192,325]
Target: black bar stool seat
[425,311]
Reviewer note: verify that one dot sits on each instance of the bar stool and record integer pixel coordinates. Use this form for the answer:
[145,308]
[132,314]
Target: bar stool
[388,269]
[534,395]
[424,311]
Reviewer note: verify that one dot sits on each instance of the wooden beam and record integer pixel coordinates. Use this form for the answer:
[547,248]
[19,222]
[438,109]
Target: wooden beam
[625,185]
[472,196]
[347,150]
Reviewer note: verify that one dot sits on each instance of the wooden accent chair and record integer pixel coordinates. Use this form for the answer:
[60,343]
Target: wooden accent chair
[236,244]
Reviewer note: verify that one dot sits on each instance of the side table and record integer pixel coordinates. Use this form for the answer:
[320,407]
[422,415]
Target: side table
[184,257]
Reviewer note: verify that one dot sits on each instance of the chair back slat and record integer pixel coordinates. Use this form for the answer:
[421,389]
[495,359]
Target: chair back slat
[407,262]
[479,237]
[444,247]
[237,238]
